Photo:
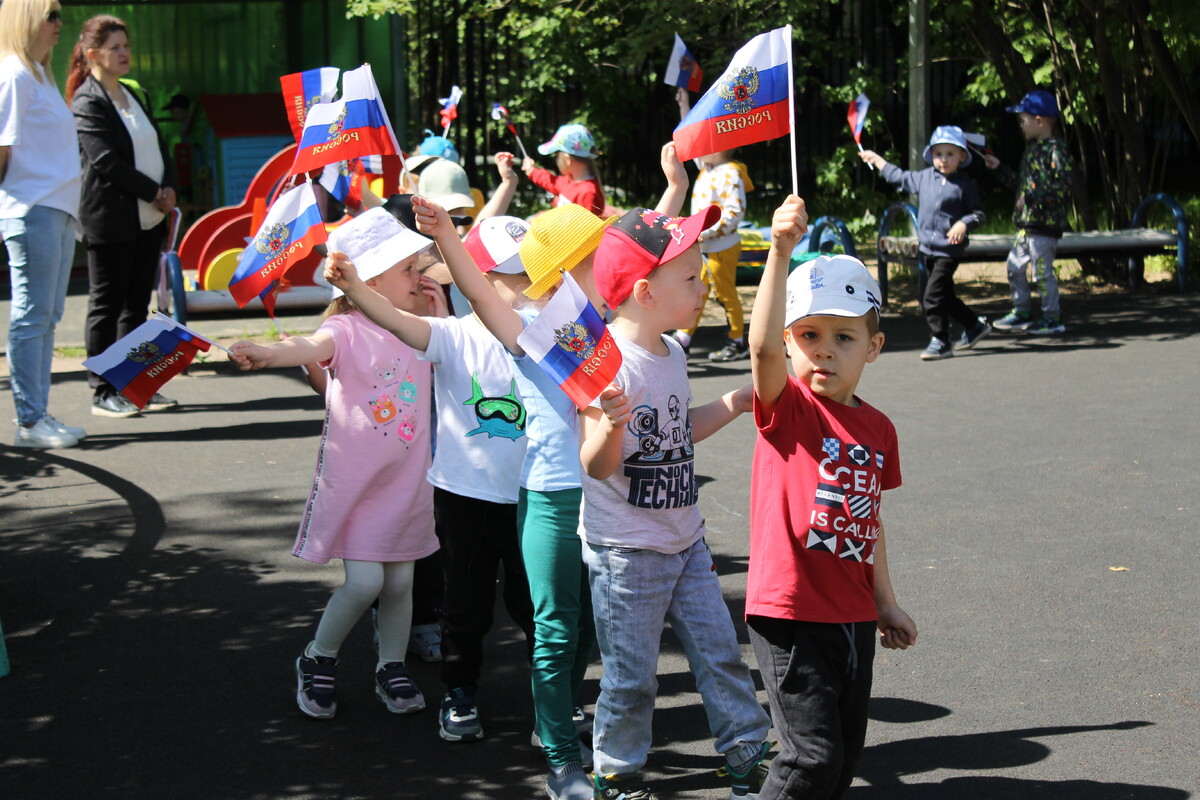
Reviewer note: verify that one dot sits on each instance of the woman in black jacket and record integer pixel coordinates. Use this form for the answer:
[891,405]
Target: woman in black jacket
[128,189]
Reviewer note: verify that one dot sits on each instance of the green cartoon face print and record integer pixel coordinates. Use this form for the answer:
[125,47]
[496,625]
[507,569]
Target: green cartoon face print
[498,416]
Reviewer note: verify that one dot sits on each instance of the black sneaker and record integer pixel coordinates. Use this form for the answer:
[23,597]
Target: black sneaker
[622,787]
[113,405]
[394,686]
[936,349]
[971,338]
[732,351]
[315,692]
[459,720]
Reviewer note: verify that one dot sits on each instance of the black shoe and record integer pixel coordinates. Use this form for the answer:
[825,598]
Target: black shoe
[971,338]
[160,403]
[113,405]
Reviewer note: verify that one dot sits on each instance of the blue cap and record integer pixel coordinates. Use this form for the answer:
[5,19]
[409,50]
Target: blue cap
[433,145]
[948,134]
[1039,102]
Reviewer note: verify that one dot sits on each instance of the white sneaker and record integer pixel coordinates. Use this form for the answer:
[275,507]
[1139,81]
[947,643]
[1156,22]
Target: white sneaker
[69,430]
[42,434]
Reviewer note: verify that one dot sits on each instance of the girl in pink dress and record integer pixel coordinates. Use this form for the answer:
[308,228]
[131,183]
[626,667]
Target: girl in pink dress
[370,504]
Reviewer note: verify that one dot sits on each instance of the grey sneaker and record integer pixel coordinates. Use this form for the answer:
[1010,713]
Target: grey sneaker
[459,720]
[936,349]
[42,434]
[971,338]
[1013,321]
[160,403]
[732,351]
[113,405]
[69,430]
[569,782]
[394,686]
[1046,327]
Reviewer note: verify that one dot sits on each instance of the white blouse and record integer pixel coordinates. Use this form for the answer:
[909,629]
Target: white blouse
[147,157]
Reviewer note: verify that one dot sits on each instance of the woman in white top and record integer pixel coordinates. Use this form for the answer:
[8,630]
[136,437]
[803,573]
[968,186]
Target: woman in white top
[128,189]
[39,204]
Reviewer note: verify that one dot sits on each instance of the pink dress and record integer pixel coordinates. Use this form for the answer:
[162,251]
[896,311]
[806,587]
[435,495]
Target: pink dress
[370,500]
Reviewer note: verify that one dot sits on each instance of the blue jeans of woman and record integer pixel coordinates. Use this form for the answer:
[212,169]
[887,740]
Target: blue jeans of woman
[41,247]
[634,593]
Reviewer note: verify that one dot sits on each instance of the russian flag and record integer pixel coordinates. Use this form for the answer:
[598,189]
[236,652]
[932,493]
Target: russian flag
[140,363]
[570,341]
[292,227]
[355,125]
[682,69]
[500,113]
[344,180]
[450,107]
[857,116]
[302,90]
[750,102]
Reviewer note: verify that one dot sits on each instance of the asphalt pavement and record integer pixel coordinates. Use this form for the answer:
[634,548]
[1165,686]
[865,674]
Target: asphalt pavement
[1044,541]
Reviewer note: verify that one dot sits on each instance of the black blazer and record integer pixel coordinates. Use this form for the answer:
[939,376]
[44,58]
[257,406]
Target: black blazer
[111,184]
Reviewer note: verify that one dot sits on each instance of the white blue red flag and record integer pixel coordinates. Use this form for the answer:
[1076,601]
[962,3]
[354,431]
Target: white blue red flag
[750,102]
[355,125]
[140,363]
[682,69]
[344,180]
[292,227]
[570,341]
[303,90]
[500,113]
[450,107]
[857,116]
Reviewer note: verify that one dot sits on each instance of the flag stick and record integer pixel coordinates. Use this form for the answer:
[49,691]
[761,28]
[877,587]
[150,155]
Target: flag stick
[520,144]
[792,111]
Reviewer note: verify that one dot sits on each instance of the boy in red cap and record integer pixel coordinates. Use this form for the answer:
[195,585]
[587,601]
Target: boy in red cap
[642,528]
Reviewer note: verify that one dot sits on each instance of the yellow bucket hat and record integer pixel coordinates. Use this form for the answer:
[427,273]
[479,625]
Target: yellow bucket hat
[557,241]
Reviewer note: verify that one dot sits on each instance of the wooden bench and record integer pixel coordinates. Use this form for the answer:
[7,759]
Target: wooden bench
[1134,243]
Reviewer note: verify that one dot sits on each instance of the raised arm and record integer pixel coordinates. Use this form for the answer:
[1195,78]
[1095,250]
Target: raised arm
[768,355]
[497,316]
[414,331]
[671,202]
[500,200]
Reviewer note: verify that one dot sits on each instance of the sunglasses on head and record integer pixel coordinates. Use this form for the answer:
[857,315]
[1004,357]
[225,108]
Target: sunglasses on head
[54,16]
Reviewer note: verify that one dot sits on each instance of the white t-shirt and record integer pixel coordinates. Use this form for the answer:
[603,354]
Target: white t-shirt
[481,418]
[43,164]
[147,157]
[651,501]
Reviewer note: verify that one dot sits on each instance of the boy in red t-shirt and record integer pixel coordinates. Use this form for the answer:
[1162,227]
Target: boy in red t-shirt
[818,582]
[577,181]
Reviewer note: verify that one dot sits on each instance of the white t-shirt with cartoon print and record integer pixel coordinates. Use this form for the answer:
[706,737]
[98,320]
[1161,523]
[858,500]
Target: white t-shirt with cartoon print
[369,500]
[482,421]
[651,501]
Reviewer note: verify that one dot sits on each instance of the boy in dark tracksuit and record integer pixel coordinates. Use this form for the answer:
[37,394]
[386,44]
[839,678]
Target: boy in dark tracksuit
[1043,201]
[949,206]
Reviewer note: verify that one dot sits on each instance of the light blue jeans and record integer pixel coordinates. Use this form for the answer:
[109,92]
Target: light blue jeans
[41,247]
[634,593]
[1033,252]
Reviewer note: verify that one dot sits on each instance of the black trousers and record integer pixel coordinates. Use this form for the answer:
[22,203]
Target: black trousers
[818,679]
[120,280]
[478,538]
[941,302]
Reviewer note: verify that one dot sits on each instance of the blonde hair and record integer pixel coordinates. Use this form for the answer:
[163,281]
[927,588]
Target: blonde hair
[339,305]
[20,23]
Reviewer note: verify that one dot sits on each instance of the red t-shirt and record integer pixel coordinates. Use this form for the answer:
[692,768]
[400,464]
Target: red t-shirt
[819,469]
[587,193]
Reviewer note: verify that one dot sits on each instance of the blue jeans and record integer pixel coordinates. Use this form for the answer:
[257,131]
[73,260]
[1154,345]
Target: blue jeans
[1036,252]
[634,592]
[41,247]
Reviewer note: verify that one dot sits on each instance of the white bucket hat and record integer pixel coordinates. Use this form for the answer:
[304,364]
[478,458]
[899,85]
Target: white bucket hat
[375,241]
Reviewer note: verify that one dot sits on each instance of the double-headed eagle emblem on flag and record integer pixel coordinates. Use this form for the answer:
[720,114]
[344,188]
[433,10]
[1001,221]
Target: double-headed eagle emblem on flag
[145,353]
[574,338]
[739,90]
[272,239]
[335,127]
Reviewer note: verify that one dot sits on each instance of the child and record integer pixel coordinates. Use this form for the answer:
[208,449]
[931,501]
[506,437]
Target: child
[642,528]
[548,512]
[480,448]
[818,581]
[724,182]
[949,207]
[370,504]
[1043,200]
[577,181]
